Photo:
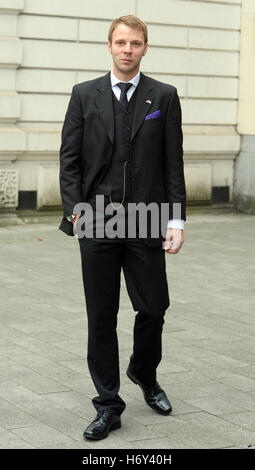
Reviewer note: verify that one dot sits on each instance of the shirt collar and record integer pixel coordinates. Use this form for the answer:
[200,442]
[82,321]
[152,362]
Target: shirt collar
[134,80]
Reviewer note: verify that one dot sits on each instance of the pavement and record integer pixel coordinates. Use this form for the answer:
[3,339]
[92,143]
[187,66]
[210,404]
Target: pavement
[208,363]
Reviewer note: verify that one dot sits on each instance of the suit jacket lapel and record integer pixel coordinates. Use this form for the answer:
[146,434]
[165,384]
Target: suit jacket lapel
[144,92]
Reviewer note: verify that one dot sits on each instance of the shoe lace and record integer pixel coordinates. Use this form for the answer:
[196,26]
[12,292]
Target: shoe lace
[153,389]
[103,412]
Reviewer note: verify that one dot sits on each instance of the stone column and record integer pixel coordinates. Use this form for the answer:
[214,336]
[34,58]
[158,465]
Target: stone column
[12,139]
[244,184]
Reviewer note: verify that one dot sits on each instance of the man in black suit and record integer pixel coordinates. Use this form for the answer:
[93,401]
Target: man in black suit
[122,141]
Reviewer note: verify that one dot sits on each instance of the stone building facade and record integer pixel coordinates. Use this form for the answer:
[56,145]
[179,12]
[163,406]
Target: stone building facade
[47,46]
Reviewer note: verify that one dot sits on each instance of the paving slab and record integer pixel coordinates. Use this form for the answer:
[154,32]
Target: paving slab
[208,362]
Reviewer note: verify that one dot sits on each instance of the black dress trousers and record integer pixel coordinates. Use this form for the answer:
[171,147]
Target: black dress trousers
[144,270]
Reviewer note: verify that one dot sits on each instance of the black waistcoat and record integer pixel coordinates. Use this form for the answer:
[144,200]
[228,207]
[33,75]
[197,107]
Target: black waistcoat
[112,181]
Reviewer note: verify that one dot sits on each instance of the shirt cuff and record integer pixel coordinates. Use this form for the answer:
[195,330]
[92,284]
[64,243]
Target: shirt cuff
[176,223]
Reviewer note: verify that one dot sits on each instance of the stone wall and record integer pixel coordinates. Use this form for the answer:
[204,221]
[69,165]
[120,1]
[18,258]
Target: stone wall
[244,183]
[48,46]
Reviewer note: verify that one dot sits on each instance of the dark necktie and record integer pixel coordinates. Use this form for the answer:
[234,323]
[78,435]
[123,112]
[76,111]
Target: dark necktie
[124,88]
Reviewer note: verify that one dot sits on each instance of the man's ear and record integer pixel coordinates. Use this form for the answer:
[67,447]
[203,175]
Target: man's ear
[146,48]
[109,46]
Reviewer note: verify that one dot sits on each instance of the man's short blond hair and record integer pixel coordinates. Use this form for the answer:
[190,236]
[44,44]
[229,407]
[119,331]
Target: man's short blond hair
[131,21]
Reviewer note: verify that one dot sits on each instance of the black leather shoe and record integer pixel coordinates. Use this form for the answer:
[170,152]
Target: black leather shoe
[105,422]
[154,396]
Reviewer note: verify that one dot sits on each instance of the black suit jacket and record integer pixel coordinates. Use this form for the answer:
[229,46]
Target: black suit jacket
[156,144]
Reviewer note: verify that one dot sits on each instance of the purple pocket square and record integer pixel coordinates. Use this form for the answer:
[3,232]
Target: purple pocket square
[154,115]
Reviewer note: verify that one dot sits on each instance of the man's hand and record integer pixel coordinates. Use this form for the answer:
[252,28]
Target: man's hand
[174,240]
[75,220]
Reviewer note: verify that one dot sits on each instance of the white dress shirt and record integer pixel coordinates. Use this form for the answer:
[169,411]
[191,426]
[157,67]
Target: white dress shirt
[173,223]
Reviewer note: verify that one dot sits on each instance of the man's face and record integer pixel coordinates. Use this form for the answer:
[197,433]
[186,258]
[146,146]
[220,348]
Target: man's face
[127,49]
